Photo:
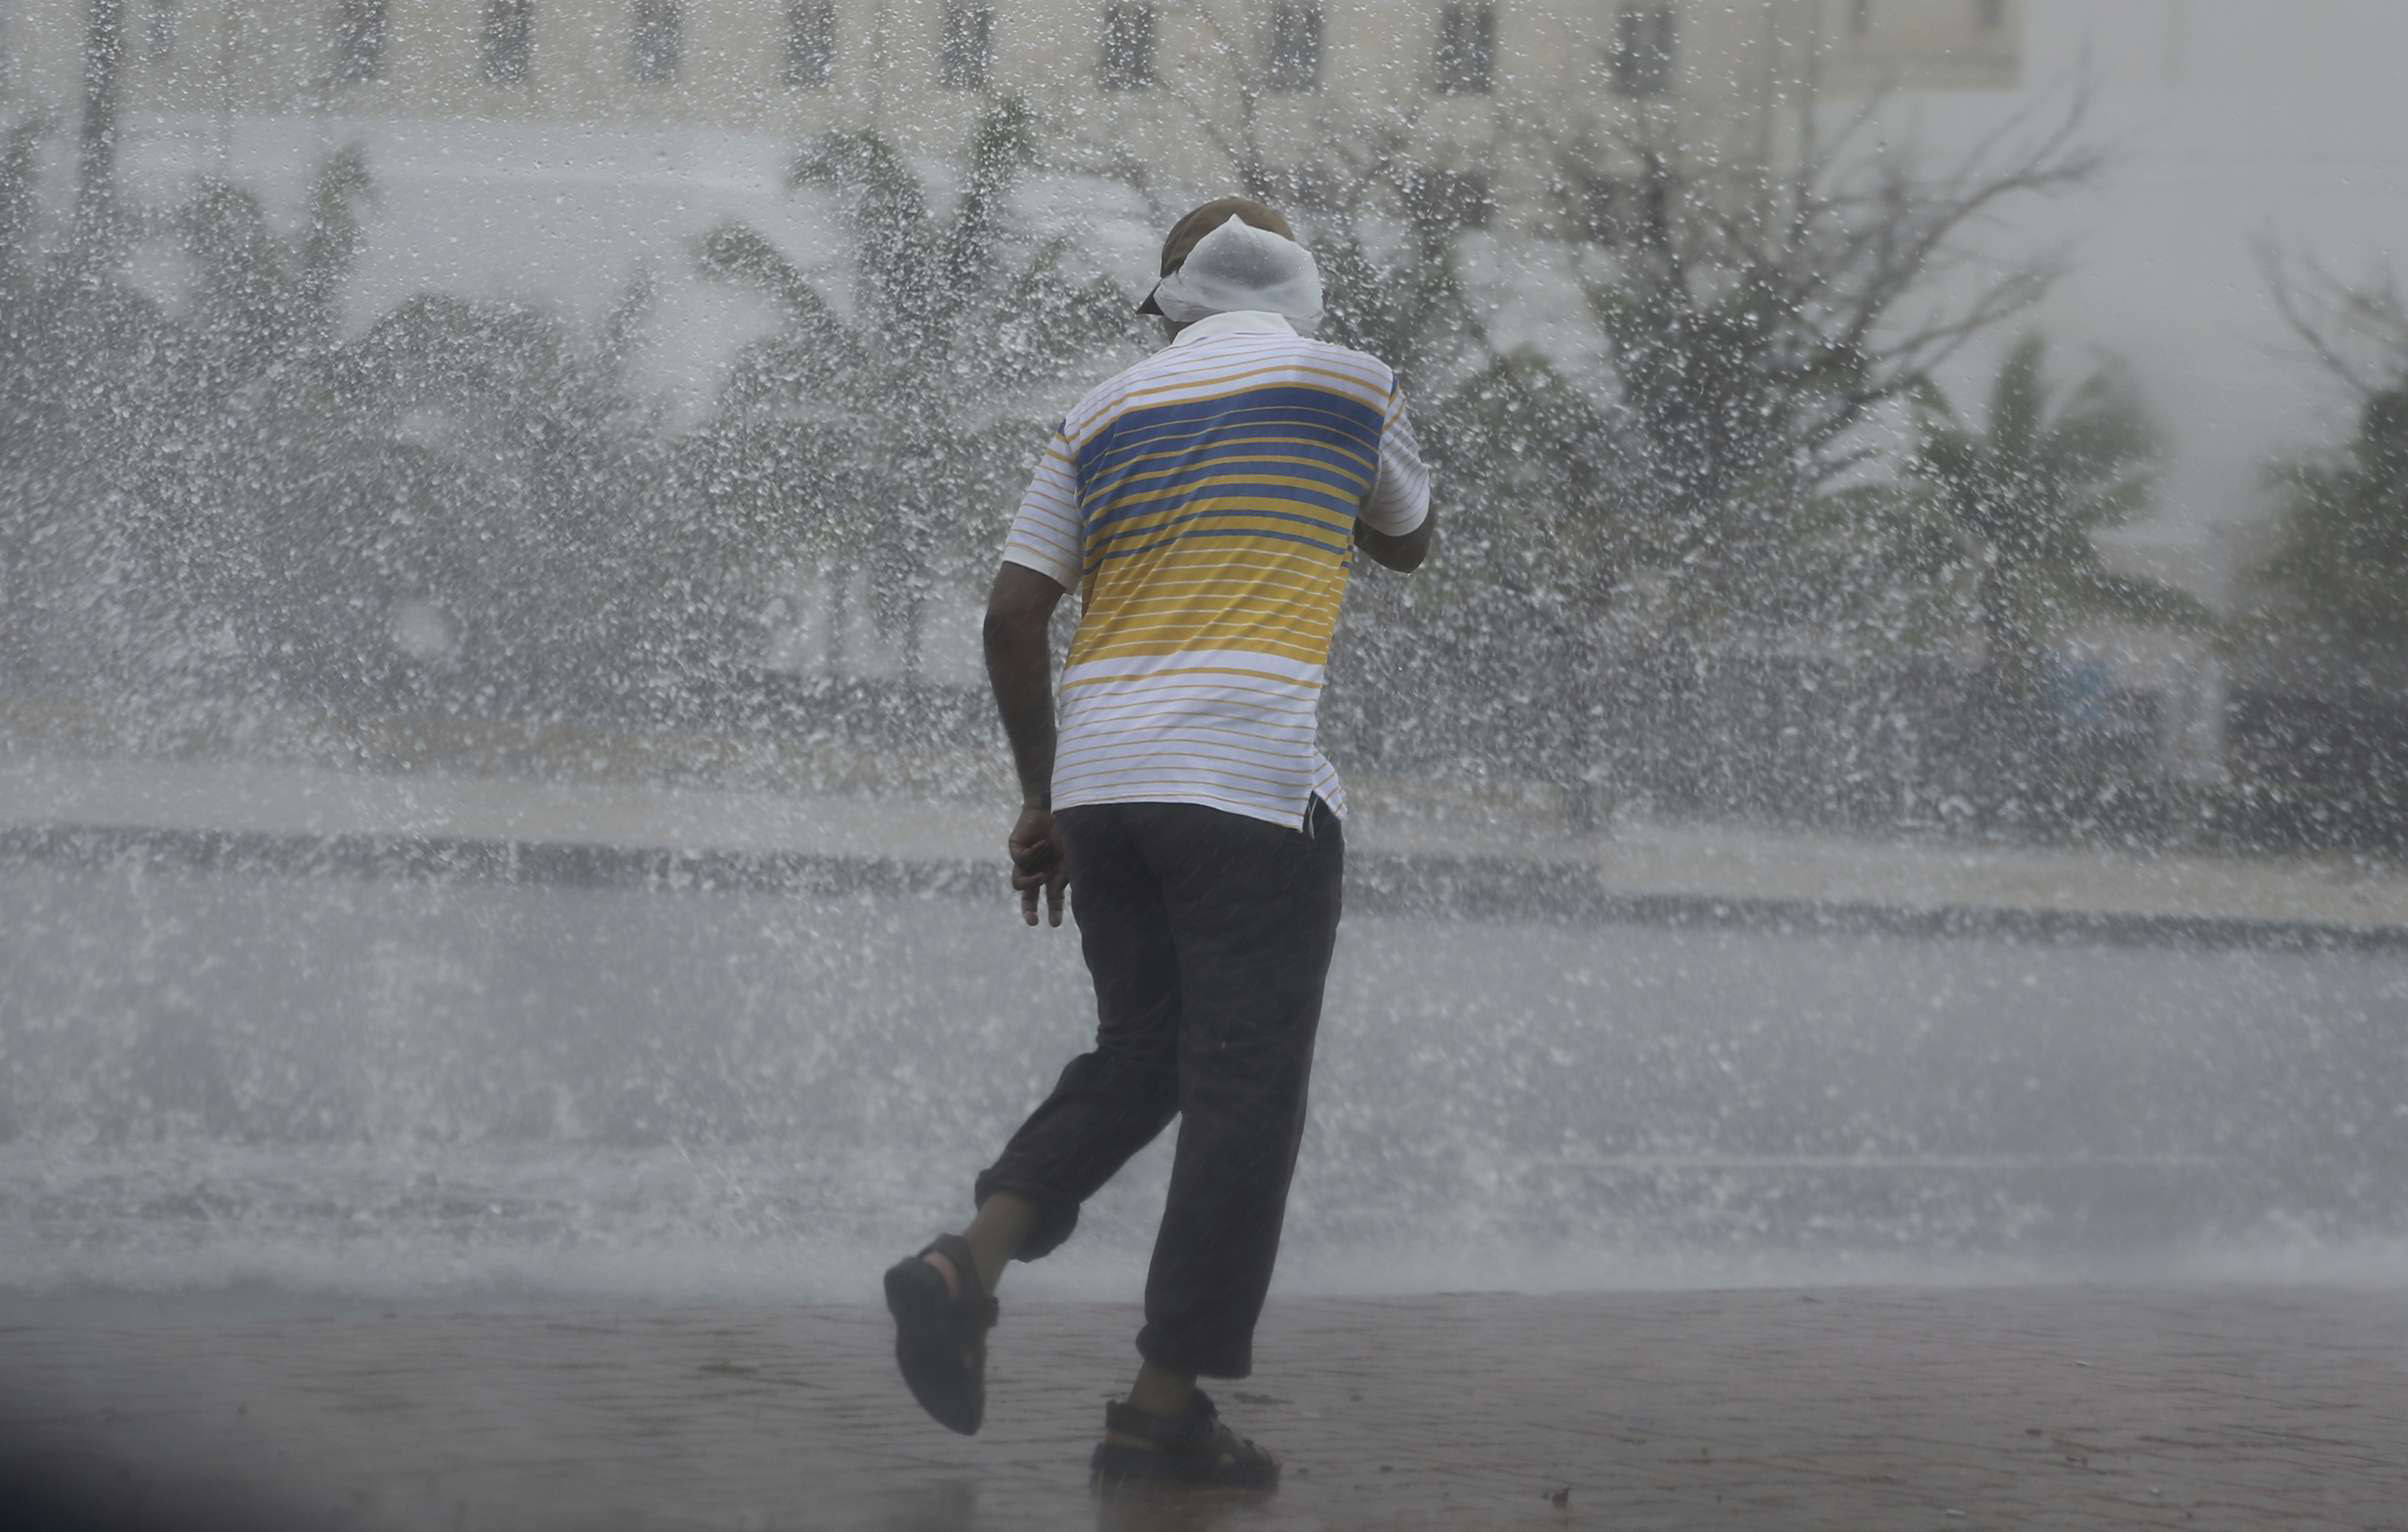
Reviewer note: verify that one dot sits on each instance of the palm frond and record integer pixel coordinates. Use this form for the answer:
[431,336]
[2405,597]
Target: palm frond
[2132,599]
[1002,146]
[2104,431]
[738,252]
[1930,402]
[2119,504]
[1952,456]
[2019,398]
[900,253]
[332,243]
[20,172]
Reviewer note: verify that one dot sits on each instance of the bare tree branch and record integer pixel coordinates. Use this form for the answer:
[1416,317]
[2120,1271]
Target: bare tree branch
[2331,317]
[1754,344]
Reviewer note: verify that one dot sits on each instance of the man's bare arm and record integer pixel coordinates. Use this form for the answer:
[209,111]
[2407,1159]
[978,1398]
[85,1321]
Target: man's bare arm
[1020,610]
[1405,553]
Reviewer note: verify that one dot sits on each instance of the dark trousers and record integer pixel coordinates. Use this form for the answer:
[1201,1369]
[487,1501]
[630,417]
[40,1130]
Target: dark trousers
[1209,936]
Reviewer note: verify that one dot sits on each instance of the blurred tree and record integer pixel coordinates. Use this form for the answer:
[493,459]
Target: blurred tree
[1229,104]
[96,183]
[2356,331]
[261,301]
[1761,327]
[1877,567]
[85,374]
[1502,645]
[2028,487]
[247,353]
[20,208]
[1390,262]
[890,436]
[227,483]
[2340,559]
[2339,562]
[469,496]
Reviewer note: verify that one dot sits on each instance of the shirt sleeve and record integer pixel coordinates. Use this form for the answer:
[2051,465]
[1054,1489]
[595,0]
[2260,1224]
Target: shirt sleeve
[1400,496]
[1048,534]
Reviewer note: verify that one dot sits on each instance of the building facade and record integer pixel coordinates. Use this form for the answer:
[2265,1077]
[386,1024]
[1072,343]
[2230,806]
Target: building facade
[1483,104]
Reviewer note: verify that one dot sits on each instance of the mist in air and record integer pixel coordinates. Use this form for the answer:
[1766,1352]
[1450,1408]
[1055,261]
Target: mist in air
[1898,771]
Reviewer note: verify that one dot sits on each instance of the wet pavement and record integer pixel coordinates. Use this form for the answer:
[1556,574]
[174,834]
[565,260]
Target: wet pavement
[2076,1407]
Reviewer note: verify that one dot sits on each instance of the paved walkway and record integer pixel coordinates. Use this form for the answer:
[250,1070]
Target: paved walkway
[1635,863]
[1853,1409]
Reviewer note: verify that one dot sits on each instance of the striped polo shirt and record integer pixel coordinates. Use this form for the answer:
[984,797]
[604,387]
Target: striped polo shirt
[1204,505]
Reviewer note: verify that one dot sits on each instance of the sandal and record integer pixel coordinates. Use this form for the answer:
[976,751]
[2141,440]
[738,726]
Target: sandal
[941,1339]
[1194,1448]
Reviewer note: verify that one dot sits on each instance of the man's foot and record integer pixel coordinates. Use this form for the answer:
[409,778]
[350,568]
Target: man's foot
[1194,1448]
[946,1269]
[941,1324]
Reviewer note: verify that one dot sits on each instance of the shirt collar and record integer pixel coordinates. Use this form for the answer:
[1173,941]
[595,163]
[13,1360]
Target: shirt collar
[1235,322]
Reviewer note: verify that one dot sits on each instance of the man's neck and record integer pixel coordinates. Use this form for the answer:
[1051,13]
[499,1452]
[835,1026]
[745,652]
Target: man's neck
[1231,322]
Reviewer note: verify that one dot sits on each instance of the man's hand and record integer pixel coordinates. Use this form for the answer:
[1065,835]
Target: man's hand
[1018,610]
[1038,864]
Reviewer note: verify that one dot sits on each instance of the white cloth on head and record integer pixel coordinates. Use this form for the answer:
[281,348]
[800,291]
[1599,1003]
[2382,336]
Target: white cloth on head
[1240,268]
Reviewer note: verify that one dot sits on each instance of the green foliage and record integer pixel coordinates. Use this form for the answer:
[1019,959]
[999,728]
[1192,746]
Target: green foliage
[2341,555]
[891,436]
[257,298]
[1408,307]
[463,489]
[473,490]
[1718,379]
[1532,476]
[20,161]
[87,362]
[2028,488]
[1761,323]
[1874,566]
[334,238]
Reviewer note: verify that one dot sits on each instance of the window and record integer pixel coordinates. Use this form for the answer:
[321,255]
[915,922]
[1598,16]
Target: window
[1860,17]
[1467,49]
[1296,33]
[1643,50]
[159,29]
[359,40]
[1990,15]
[656,41]
[810,43]
[966,52]
[506,42]
[1128,62]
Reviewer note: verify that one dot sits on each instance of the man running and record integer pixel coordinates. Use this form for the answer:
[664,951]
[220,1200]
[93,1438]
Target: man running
[1206,503]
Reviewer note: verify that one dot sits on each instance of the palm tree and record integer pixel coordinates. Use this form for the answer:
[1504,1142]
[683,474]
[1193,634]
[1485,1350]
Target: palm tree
[2341,556]
[875,436]
[464,493]
[1535,472]
[2026,491]
[145,435]
[252,350]
[460,490]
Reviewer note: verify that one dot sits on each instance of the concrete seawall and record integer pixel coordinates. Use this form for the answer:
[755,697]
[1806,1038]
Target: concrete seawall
[309,821]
